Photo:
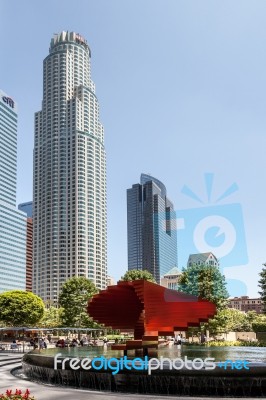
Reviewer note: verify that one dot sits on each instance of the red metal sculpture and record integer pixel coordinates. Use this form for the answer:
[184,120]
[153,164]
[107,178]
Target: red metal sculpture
[149,309]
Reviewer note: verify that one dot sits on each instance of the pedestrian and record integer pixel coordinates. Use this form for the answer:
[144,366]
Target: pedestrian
[178,339]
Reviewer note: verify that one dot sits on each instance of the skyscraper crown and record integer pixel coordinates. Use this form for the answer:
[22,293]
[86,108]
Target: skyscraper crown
[68,37]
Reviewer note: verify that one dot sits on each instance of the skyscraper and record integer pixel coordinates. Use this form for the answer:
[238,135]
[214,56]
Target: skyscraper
[27,208]
[152,243]
[12,221]
[69,205]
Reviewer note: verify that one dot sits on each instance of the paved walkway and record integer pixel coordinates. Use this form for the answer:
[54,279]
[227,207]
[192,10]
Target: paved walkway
[47,392]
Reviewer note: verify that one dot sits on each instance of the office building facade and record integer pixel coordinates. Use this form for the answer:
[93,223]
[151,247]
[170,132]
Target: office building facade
[12,221]
[246,304]
[69,204]
[207,259]
[171,279]
[151,231]
[27,208]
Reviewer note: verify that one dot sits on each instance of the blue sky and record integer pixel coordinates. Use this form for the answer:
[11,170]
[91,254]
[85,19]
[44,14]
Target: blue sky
[182,91]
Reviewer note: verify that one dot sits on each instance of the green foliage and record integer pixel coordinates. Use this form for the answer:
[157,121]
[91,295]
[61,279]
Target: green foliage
[20,308]
[252,316]
[227,343]
[52,318]
[259,323]
[136,274]
[231,320]
[206,282]
[112,337]
[259,326]
[73,298]
[262,285]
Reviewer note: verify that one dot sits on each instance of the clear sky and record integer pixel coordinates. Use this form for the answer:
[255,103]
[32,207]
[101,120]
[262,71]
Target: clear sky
[182,92]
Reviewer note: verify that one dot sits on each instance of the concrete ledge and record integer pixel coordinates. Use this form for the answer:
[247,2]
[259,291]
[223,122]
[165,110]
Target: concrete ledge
[44,392]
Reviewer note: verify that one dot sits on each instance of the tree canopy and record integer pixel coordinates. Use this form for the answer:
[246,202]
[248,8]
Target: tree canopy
[259,323]
[231,320]
[135,274]
[20,308]
[52,318]
[259,326]
[73,298]
[262,285]
[206,282]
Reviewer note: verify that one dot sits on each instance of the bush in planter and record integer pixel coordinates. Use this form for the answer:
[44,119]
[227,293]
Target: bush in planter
[17,395]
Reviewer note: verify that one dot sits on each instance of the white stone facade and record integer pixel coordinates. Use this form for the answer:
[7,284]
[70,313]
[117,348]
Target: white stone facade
[69,207]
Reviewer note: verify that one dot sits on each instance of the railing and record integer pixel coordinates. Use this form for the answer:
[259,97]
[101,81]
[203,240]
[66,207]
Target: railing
[15,347]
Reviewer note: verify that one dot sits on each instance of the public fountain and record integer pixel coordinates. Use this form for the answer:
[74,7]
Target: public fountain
[151,310]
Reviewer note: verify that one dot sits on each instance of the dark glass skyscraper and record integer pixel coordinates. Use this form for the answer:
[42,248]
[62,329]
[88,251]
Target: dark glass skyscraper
[151,232]
[26,208]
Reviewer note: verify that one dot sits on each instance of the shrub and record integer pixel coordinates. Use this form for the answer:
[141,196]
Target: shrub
[225,343]
[259,326]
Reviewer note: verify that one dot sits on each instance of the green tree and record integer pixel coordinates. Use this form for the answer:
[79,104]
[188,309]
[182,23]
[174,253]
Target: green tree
[259,323]
[262,285]
[136,274]
[73,298]
[206,282]
[252,316]
[19,308]
[259,326]
[52,318]
[230,320]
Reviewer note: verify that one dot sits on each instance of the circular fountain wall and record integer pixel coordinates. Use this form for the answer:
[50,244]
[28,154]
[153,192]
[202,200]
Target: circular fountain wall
[39,365]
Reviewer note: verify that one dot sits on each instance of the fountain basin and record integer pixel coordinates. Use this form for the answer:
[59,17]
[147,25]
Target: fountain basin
[39,366]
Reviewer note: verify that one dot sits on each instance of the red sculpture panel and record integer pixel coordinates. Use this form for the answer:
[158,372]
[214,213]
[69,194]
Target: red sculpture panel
[148,309]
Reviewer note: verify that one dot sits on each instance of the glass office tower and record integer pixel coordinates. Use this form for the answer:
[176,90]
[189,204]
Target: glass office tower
[152,243]
[12,221]
[69,198]
[26,208]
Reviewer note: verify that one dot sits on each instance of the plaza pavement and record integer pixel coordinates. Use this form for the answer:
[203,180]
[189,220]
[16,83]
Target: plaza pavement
[48,392]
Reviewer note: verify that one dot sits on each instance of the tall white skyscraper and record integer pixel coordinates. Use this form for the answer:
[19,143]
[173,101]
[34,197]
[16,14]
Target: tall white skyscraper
[12,221]
[69,198]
